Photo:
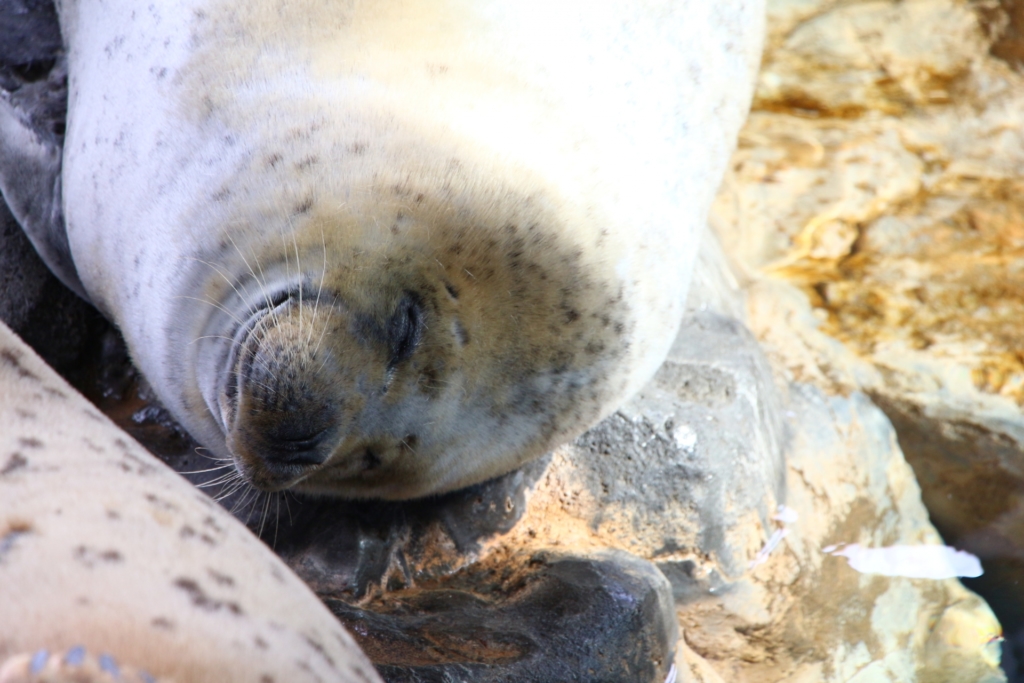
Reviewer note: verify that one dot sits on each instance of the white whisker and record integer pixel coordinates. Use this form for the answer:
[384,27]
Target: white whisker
[209,469]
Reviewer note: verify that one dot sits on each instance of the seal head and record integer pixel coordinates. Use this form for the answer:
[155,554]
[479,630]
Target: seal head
[452,349]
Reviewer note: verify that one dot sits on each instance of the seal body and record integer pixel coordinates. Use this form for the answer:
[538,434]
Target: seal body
[392,248]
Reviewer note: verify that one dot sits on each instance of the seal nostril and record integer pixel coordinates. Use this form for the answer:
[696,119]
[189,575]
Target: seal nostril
[293,447]
[371,460]
[311,457]
[299,443]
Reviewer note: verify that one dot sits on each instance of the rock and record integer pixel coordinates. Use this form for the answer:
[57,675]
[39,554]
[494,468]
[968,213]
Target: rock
[1004,23]
[880,176]
[845,59]
[57,324]
[532,619]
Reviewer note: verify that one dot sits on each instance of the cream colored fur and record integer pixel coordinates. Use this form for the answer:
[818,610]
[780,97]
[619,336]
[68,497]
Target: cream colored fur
[218,152]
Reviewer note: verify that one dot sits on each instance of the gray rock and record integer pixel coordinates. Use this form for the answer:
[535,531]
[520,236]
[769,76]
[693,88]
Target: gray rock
[697,450]
[55,322]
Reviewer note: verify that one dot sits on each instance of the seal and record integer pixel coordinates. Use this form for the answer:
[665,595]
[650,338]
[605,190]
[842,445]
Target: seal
[117,569]
[389,249]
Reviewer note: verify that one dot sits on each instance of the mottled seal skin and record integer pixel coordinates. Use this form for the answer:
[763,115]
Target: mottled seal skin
[388,249]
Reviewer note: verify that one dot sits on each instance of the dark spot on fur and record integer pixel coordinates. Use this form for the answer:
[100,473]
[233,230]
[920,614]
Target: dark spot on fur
[260,643]
[25,414]
[357,148]
[452,292]
[307,162]
[113,514]
[55,392]
[12,358]
[273,160]
[160,502]
[162,623]
[14,462]
[221,194]
[186,532]
[571,316]
[219,578]
[200,599]
[266,678]
[319,648]
[140,466]
[30,442]
[304,206]
[90,557]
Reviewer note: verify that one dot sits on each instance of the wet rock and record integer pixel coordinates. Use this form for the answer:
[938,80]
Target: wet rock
[544,618]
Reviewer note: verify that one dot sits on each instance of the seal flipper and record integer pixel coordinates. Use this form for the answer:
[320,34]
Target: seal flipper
[33,108]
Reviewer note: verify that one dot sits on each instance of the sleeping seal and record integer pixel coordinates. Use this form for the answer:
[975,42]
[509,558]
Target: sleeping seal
[393,248]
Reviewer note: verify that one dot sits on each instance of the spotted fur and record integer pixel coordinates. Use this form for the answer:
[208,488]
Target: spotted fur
[388,249]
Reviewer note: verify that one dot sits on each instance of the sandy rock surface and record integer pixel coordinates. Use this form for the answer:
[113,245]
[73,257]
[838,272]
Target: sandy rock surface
[874,214]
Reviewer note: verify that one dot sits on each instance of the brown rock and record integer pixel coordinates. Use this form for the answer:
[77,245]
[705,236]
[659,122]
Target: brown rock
[880,175]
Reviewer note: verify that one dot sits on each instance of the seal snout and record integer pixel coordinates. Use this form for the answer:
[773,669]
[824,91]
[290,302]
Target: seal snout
[282,415]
